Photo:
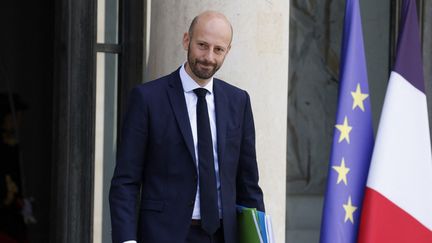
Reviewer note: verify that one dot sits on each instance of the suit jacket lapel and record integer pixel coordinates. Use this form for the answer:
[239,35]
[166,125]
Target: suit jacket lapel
[178,104]
[221,106]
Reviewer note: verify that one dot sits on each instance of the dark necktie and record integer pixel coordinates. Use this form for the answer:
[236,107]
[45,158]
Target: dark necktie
[207,177]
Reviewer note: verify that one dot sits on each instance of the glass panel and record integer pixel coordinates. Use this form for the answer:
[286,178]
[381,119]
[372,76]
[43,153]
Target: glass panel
[105,141]
[107,21]
[111,21]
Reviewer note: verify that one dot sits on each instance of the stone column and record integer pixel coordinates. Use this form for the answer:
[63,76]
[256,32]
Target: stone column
[257,62]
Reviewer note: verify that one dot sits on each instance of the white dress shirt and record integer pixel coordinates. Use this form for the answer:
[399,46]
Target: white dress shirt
[191,102]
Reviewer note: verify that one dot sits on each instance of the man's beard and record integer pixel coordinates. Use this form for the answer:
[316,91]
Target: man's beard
[202,73]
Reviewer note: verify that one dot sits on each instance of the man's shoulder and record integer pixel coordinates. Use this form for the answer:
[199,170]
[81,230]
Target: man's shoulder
[229,89]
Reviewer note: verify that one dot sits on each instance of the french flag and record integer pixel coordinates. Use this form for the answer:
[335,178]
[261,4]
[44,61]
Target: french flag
[397,206]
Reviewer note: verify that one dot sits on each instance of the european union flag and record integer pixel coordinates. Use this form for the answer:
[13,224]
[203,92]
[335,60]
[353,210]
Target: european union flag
[353,138]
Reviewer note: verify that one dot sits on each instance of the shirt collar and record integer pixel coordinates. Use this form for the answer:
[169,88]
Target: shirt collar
[189,84]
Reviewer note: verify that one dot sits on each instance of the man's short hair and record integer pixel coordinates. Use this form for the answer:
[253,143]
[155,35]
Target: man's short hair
[192,25]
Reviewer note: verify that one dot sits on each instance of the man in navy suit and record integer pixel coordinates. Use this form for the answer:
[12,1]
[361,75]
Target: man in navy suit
[157,193]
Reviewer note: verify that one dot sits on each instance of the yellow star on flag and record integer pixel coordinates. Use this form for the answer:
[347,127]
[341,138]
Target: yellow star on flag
[342,172]
[358,98]
[349,210]
[344,129]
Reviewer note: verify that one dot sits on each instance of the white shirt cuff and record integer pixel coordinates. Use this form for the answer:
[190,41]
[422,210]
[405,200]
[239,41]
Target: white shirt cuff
[130,241]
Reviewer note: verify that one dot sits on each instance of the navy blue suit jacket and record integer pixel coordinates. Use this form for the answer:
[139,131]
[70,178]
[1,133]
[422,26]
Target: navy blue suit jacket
[156,163]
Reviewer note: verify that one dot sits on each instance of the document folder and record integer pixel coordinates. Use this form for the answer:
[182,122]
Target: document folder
[248,228]
[253,226]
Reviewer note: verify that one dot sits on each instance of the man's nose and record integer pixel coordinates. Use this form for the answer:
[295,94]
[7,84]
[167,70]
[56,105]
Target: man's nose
[209,55]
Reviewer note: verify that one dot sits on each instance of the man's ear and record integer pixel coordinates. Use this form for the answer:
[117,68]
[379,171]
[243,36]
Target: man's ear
[186,40]
[228,49]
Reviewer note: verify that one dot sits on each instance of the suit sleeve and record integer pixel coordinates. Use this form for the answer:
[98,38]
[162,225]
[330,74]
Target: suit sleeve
[249,193]
[127,178]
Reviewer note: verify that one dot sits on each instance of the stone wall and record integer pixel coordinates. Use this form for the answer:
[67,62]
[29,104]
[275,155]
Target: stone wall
[315,33]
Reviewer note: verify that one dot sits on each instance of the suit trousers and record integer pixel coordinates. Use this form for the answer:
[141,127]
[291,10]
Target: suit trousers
[198,235]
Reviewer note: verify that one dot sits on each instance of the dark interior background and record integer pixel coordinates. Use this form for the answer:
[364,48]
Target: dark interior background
[26,53]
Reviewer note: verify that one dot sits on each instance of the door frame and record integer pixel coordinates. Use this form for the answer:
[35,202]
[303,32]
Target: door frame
[74,108]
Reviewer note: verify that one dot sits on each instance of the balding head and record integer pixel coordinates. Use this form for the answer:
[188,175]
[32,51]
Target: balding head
[207,16]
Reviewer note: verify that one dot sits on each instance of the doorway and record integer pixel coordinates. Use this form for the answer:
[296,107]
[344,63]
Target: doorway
[26,70]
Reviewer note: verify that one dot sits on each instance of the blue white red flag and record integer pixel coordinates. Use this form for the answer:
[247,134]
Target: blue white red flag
[398,202]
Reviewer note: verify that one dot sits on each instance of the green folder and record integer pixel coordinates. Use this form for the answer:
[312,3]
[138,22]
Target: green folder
[247,224]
